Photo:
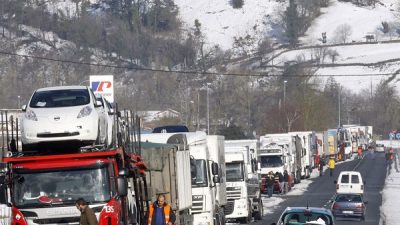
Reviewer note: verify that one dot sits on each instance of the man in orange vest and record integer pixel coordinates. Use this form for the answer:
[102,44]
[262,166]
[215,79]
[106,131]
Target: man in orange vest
[160,213]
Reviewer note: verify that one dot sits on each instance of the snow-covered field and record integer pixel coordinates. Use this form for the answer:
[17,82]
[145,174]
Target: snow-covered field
[221,23]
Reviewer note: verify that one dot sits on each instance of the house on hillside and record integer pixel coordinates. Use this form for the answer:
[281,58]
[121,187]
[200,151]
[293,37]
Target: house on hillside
[150,116]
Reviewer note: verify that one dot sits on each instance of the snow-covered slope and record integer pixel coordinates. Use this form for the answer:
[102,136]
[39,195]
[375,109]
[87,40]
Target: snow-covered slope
[220,22]
[362,20]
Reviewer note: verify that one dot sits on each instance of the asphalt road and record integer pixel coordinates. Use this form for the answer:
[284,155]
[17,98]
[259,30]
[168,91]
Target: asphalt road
[322,189]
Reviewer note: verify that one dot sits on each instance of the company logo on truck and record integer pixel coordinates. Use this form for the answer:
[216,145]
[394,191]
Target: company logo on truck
[100,86]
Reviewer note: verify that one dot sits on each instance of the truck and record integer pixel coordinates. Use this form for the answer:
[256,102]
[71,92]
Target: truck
[42,189]
[308,140]
[208,180]
[169,173]
[330,142]
[242,181]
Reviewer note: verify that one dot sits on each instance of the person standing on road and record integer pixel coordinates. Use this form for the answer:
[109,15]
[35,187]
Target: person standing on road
[359,152]
[331,165]
[269,183]
[321,165]
[160,213]
[279,178]
[87,215]
[285,181]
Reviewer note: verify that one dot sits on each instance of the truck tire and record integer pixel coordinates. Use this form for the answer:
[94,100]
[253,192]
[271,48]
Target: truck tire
[258,215]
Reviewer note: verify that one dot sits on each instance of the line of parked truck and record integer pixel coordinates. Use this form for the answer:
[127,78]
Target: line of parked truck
[207,180]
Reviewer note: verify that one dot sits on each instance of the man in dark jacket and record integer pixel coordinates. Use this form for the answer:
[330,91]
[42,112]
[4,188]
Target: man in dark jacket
[87,215]
[160,213]
[321,165]
[269,182]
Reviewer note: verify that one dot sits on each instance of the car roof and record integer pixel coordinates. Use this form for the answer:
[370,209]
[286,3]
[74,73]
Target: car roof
[350,172]
[312,209]
[61,88]
[349,194]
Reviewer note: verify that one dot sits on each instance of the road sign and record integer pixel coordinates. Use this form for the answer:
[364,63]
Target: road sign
[398,136]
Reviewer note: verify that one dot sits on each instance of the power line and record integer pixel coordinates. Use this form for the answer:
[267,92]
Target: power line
[266,74]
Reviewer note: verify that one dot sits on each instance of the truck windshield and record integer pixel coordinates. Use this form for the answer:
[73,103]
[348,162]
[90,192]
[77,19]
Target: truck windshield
[234,172]
[201,173]
[271,161]
[60,187]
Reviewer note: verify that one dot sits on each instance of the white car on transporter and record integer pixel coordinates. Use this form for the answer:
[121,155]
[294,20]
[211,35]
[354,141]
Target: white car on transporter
[63,114]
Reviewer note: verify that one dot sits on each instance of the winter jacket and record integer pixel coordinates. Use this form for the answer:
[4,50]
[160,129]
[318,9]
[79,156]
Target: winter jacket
[88,217]
[167,212]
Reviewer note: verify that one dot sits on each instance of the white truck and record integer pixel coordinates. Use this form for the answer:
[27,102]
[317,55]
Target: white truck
[243,181]
[275,153]
[308,139]
[208,177]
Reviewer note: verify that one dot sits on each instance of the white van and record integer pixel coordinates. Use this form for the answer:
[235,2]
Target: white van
[350,182]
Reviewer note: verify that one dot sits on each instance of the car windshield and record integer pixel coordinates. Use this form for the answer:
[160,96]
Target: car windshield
[348,198]
[271,161]
[60,98]
[234,171]
[303,218]
[60,187]
[201,173]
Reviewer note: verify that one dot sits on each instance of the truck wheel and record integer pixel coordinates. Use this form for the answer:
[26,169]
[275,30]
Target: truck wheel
[258,215]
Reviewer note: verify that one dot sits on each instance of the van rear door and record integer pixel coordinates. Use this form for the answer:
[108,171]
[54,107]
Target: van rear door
[344,185]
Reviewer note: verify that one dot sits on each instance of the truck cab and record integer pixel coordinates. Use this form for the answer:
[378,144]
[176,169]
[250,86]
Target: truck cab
[243,186]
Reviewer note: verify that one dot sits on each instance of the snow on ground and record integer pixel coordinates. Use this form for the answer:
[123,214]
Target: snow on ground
[366,54]
[220,22]
[362,20]
[391,197]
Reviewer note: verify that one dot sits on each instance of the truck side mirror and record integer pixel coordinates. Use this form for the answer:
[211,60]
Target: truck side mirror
[216,179]
[122,186]
[111,112]
[335,182]
[215,168]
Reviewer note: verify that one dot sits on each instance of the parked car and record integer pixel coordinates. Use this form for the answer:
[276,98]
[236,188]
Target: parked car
[349,206]
[349,182]
[64,113]
[109,112]
[306,215]
[380,148]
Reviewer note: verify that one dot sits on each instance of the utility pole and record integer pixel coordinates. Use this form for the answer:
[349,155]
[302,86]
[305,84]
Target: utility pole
[339,106]
[208,110]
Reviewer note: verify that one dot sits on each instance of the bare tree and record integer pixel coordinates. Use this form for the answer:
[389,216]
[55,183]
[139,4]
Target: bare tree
[343,33]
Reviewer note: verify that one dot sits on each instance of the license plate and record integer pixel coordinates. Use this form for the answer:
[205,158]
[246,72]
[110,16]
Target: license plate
[348,212]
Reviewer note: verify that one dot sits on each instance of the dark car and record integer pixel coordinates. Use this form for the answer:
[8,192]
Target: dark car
[349,206]
[306,216]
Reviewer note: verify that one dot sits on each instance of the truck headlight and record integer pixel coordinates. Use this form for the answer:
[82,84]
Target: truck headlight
[85,111]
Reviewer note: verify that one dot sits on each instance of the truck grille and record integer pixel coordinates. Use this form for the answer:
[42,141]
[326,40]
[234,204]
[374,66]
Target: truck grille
[70,220]
[233,193]
[197,204]
[230,206]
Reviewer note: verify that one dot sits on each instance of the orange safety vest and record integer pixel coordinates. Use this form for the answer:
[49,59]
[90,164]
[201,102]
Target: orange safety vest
[167,211]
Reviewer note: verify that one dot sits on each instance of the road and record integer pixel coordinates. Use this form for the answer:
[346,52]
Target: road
[321,190]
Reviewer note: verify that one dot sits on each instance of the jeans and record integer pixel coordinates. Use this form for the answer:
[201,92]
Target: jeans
[330,172]
[269,191]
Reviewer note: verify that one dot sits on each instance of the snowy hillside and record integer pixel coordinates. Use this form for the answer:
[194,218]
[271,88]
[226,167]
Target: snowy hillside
[221,23]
